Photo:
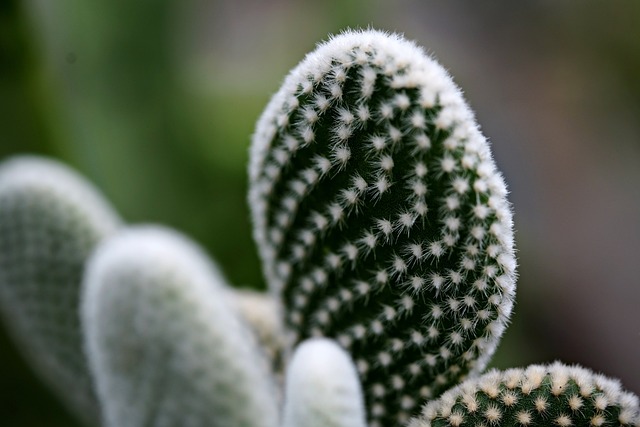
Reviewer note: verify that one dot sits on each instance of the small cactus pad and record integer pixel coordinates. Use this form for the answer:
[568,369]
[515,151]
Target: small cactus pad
[164,344]
[323,389]
[381,219]
[50,221]
[555,395]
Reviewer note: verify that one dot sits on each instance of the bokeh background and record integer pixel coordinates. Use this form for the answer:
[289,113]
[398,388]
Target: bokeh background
[155,102]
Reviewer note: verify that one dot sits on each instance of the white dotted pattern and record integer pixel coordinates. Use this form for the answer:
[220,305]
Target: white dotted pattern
[406,211]
[554,395]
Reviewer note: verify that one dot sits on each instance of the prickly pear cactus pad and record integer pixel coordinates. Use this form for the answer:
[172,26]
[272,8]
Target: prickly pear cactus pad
[322,387]
[381,219]
[50,221]
[555,395]
[165,344]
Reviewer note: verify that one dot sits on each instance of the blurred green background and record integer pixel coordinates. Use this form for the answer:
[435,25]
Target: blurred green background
[155,102]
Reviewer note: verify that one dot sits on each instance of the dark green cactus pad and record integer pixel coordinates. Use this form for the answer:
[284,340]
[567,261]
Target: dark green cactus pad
[50,221]
[555,395]
[381,219]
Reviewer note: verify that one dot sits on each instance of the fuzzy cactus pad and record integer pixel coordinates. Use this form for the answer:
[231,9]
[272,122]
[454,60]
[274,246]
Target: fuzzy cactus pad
[165,345]
[51,219]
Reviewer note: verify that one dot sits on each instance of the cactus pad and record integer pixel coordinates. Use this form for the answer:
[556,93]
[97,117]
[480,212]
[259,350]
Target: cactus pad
[554,395]
[322,388]
[381,219]
[164,343]
[50,221]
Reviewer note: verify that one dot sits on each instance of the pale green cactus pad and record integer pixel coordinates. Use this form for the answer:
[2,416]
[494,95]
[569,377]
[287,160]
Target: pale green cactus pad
[164,343]
[322,387]
[50,221]
[554,395]
[381,219]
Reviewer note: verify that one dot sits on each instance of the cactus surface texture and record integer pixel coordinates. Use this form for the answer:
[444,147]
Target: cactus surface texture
[553,395]
[164,344]
[322,387]
[381,219]
[260,311]
[50,221]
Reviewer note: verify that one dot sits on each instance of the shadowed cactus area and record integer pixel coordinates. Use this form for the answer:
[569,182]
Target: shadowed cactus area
[51,219]
[261,313]
[553,395]
[381,219]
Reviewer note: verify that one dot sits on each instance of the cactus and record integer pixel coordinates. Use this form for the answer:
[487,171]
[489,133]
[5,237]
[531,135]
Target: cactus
[50,221]
[381,220]
[553,395]
[323,389]
[383,226]
[164,344]
[261,313]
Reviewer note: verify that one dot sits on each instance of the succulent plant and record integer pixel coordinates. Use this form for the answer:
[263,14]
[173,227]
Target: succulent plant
[539,395]
[51,219]
[381,219]
[386,239]
[261,313]
[322,389]
[164,343]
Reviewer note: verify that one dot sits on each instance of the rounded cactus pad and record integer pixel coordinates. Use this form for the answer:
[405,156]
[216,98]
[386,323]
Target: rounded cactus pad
[165,344]
[51,219]
[322,387]
[381,219]
[553,395]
